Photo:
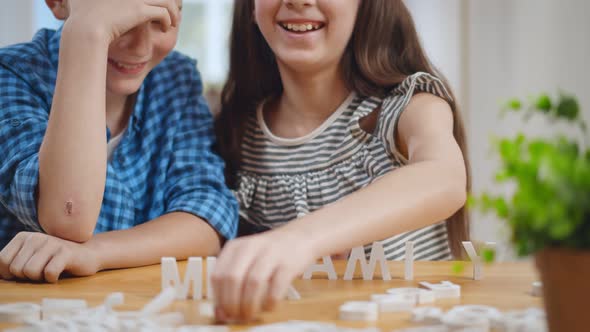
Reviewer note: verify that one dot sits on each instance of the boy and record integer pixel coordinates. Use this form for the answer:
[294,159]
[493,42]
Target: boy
[106,175]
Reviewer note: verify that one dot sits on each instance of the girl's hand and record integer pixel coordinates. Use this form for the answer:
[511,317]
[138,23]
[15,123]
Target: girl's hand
[113,18]
[253,273]
[38,256]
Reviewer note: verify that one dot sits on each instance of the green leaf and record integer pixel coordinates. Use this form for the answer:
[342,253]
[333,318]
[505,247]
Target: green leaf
[501,207]
[561,229]
[503,175]
[458,267]
[568,108]
[550,203]
[471,201]
[543,103]
[568,147]
[514,104]
[488,255]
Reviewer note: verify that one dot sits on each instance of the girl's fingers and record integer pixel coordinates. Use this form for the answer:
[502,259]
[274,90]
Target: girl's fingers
[34,269]
[277,290]
[56,265]
[256,286]
[232,265]
[233,297]
[31,244]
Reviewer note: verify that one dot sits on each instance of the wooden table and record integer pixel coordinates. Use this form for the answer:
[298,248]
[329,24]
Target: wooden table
[505,285]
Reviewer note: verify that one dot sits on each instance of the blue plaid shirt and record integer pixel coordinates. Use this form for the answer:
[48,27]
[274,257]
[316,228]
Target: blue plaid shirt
[163,164]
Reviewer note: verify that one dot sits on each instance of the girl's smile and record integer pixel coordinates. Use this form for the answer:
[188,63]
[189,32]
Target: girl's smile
[308,35]
[301,26]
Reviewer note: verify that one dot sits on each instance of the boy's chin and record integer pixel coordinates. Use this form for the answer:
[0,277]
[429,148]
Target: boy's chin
[123,88]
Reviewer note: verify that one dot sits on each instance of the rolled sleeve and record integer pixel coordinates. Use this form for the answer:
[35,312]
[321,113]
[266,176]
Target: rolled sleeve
[196,178]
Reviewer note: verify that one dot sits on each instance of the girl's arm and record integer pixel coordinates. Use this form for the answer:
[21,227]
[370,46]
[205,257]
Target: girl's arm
[431,188]
[254,273]
[37,256]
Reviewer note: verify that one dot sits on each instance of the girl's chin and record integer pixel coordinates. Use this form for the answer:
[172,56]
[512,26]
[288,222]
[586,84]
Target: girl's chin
[305,65]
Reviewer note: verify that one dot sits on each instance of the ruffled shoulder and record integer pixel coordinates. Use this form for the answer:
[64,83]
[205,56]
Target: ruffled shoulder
[394,105]
[422,82]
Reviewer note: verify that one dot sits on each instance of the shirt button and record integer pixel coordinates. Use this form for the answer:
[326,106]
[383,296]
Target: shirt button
[15,122]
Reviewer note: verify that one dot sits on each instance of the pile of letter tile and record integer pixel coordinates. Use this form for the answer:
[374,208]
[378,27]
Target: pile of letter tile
[75,315]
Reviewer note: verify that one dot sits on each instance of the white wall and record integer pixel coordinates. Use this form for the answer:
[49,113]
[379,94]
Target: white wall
[16,21]
[439,24]
[493,50]
[520,48]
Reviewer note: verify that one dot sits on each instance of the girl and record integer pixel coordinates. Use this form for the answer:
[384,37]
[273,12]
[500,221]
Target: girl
[336,127]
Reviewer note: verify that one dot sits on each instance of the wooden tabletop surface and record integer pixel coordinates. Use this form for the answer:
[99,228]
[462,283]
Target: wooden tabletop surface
[505,286]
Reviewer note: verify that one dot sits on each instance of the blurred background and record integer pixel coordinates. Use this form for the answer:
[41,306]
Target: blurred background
[489,51]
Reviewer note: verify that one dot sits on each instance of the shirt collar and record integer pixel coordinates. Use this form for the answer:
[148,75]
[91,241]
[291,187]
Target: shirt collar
[53,45]
[135,121]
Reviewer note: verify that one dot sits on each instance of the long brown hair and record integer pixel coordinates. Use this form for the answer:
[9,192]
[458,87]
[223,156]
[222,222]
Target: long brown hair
[384,49]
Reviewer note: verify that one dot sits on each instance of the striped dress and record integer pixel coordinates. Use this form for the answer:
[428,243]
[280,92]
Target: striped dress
[283,179]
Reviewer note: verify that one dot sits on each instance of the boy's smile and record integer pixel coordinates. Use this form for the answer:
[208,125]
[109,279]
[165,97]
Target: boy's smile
[132,55]
[128,68]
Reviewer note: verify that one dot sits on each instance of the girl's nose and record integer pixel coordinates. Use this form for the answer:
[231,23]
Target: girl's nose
[298,4]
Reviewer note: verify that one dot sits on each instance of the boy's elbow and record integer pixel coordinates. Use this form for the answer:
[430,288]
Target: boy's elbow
[76,228]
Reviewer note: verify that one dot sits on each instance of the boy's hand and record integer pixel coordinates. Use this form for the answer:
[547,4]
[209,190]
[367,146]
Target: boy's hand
[253,273]
[113,18]
[38,256]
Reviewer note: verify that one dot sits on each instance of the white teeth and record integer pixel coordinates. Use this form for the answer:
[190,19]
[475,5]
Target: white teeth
[300,27]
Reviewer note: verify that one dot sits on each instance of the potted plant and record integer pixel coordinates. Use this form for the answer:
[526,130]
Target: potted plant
[548,212]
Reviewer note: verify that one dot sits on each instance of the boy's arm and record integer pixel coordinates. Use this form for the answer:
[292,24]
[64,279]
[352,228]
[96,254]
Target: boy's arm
[73,155]
[37,256]
[176,234]
[195,177]
[200,213]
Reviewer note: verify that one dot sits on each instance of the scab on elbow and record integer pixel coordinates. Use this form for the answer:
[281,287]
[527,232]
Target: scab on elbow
[69,208]
[69,223]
